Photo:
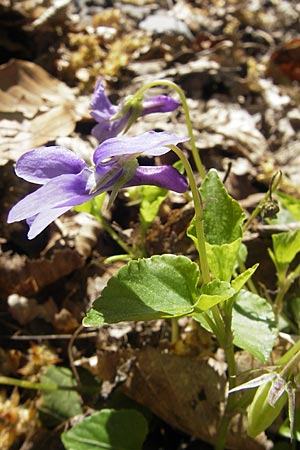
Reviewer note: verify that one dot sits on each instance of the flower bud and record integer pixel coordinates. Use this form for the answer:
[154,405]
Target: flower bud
[261,414]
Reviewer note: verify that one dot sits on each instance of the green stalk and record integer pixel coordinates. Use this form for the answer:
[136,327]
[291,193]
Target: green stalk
[174,330]
[30,385]
[231,400]
[198,213]
[182,96]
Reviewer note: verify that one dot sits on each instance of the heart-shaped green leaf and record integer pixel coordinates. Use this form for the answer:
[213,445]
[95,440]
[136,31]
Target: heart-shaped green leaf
[146,289]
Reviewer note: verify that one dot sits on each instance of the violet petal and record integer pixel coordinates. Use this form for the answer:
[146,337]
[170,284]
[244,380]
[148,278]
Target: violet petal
[160,103]
[150,144]
[107,129]
[44,163]
[100,104]
[65,190]
[166,177]
[39,222]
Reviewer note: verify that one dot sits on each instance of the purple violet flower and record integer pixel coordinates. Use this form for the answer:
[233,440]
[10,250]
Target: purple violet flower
[67,181]
[114,119]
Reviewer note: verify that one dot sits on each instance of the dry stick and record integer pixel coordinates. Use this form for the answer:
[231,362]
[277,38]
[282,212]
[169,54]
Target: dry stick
[70,353]
[47,337]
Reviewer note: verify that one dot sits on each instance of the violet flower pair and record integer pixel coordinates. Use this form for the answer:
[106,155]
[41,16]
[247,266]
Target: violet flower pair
[66,180]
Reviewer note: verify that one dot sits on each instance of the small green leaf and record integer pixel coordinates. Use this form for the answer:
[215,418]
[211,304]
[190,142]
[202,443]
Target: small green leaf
[253,324]
[222,259]
[223,216]
[243,277]
[213,293]
[93,206]
[152,198]
[59,405]
[286,246]
[108,429]
[292,204]
[146,289]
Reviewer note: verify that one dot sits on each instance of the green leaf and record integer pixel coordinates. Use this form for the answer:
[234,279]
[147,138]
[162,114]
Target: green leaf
[93,206]
[286,246]
[242,279]
[253,324]
[146,289]
[292,204]
[108,429]
[223,216]
[213,293]
[152,198]
[226,292]
[59,405]
[222,258]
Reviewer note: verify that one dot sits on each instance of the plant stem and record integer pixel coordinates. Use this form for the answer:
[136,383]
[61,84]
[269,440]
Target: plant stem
[182,96]
[231,369]
[230,405]
[174,330]
[198,213]
[31,385]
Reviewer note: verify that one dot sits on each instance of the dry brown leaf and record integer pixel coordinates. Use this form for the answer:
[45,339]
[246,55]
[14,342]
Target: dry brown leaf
[65,322]
[184,391]
[284,64]
[24,309]
[66,251]
[35,108]
[21,275]
[10,360]
[236,126]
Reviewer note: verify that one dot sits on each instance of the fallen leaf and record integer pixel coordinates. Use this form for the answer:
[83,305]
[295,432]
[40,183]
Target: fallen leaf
[284,64]
[24,309]
[234,124]
[35,108]
[70,243]
[166,384]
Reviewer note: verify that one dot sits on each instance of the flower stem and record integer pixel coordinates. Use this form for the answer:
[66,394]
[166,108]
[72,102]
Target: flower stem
[198,213]
[175,87]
